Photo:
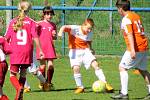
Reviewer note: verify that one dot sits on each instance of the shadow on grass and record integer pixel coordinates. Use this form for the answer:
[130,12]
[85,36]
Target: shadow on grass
[65,89]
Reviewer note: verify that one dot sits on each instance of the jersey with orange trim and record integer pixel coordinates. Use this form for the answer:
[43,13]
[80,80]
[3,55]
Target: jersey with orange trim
[78,40]
[132,24]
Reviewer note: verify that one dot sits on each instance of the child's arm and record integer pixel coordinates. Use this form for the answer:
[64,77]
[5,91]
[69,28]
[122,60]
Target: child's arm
[64,28]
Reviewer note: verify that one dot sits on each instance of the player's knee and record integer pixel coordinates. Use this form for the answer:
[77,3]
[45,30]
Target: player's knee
[76,69]
[95,65]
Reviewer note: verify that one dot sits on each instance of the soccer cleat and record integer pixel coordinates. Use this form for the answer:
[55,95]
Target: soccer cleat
[120,96]
[19,94]
[26,90]
[79,90]
[51,86]
[147,97]
[4,97]
[109,88]
[136,72]
[46,87]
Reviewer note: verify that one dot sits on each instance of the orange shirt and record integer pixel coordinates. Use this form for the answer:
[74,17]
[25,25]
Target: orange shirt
[77,40]
[132,24]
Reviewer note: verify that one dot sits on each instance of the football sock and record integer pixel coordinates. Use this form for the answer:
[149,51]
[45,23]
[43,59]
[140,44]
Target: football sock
[124,82]
[100,75]
[78,80]
[40,77]
[50,72]
[26,85]
[14,81]
[22,81]
[148,88]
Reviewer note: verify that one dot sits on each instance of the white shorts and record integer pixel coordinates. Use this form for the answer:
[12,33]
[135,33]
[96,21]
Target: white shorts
[140,62]
[81,56]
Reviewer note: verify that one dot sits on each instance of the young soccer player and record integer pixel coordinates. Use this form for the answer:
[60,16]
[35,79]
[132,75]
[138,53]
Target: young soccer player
[3,64]
[47,33]
[20,35]
[136,53]
[34,69]
[80,52]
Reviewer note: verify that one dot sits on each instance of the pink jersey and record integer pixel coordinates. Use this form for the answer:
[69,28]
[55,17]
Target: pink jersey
[2,54]
[45,30]
[21,42]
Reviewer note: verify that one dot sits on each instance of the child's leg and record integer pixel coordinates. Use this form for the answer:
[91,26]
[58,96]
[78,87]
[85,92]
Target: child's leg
[42,67]
[40,77]
[77,76]
[3,71]
[50,71]
[98,72]
[146,76]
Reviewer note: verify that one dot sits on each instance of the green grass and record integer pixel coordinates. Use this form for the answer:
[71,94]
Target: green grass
[104,42]
[64,83]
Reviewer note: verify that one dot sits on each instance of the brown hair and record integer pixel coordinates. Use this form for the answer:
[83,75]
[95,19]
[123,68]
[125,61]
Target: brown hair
[48,9]
[88,21]
[23,7]
[124,4]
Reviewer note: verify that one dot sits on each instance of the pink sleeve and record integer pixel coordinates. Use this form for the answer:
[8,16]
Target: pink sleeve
[1,40]
[34,29]
[9,31]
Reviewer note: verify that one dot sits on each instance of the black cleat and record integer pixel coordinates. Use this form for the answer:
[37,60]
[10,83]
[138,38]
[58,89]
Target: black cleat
[120,96]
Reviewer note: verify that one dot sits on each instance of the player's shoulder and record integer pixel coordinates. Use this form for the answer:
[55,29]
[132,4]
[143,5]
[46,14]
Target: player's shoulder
[30,19]
[74,26]
[39,22]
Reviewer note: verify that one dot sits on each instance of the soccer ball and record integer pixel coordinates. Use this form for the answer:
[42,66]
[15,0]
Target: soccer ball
[98,86]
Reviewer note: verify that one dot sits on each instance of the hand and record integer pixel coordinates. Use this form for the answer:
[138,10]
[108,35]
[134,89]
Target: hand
[133,55]
[41,55]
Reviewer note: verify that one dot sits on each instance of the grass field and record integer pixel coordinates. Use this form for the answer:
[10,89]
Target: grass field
[64,83]
[104,42]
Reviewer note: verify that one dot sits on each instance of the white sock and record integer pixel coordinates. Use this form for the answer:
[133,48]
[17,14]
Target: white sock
[148,88]
[26,85]
[78,80]
[124,82]
[100,75]
[40,77]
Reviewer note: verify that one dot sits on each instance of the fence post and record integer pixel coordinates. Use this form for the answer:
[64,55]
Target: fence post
[63,23]
[8,12]
[111,17]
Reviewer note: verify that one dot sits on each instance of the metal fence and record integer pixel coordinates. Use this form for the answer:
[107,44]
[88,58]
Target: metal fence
[107,39]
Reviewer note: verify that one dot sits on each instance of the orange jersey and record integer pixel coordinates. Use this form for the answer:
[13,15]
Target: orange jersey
[132,24]
[77,40]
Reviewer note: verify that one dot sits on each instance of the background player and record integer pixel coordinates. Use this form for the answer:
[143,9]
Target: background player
[20,35]
[137,48]
[3,63]
[47,33]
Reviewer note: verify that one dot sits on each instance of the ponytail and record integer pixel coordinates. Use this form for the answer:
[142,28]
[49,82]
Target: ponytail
[23,7]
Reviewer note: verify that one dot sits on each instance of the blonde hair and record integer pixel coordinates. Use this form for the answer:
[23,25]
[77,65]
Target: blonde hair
[23,7]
